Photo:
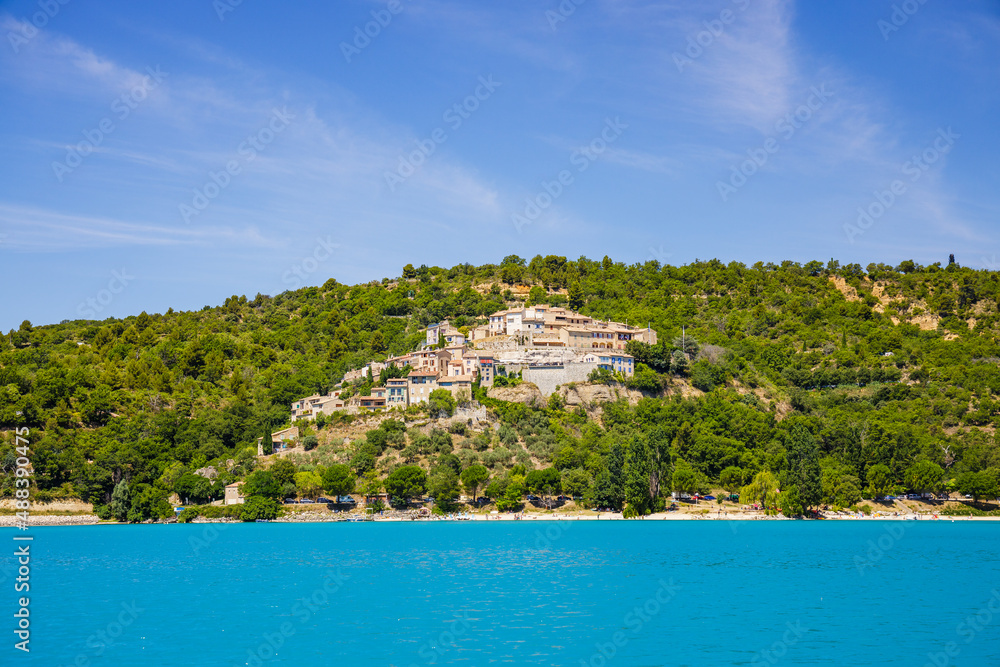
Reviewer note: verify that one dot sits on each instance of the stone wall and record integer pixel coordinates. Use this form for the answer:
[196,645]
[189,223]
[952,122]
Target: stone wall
[547,378]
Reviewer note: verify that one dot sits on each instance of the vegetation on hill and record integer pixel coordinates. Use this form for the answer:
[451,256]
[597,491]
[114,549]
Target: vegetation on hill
[839,381]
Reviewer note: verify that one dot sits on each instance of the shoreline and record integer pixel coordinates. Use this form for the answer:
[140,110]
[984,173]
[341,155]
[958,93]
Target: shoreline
[311,517]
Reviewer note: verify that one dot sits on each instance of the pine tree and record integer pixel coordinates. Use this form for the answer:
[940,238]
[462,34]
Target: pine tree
[576,301]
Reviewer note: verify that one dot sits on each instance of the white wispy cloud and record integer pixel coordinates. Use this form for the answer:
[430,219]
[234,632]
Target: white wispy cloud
[39,229]
[320,164]
[61,65]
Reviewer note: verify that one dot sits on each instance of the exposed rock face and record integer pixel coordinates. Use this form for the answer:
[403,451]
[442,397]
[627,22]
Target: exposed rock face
[525,392]
[208,472]
[591,395]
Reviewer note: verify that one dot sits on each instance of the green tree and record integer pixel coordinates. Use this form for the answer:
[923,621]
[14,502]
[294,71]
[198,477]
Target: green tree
[575,482]
[762,490]
[879,481]
[513,494]
[685,480]
[443,486]
[148,503]
[259,507]
[803,462]
[978,485]
[193,488]
[644,379]
[637,476]
[576,300]
[848,493]
[441,402]
[121,501]
[364,460]
[262,483]
[496,487]
[473,478]
[309,484]
[406,482]
[731,479]
[371,486]
[338,480]
[536,295]
[790,502]
[544,482]
[924,477]
[283,471]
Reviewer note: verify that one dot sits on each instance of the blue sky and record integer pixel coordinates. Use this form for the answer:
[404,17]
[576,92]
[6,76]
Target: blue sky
[162,155]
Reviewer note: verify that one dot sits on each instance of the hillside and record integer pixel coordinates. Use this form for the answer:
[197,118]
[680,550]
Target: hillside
[823,374]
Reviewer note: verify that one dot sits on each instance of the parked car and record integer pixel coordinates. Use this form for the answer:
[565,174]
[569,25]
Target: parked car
[346,500]
[564,498]
[306,500]
[531,497]
[709,497]
[290,501]
[324,500]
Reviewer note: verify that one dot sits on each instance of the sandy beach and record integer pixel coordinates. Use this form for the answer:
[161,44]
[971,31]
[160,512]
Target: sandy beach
[317,516]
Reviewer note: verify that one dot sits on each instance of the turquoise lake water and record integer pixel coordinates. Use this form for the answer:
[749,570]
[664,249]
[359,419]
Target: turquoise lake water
[636,593]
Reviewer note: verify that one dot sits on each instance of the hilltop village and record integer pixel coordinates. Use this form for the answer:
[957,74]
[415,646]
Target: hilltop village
[541,344]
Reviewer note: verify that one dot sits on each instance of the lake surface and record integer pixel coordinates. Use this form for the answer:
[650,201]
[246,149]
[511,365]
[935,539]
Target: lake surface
[636,593]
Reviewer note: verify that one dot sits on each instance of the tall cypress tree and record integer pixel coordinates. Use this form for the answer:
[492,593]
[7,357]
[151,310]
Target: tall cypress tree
[803,464]
[636,476]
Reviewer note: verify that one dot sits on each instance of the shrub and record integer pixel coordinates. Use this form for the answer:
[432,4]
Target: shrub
[258,507]
[188,515]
